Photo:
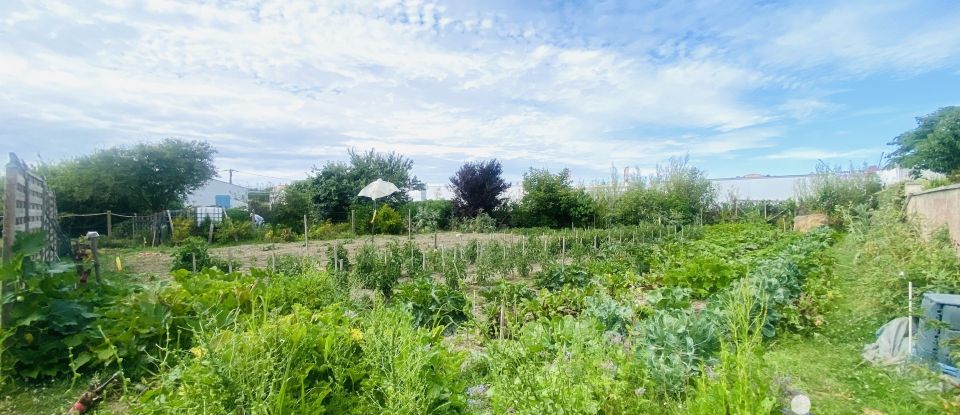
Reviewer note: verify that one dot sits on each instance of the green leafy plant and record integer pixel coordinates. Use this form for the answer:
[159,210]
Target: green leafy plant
[431,304]
[558,276]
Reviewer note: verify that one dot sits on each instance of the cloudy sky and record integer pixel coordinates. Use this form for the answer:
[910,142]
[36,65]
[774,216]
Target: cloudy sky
[280,86]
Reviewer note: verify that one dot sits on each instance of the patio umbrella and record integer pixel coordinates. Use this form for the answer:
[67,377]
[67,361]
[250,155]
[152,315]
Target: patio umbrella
[376,190]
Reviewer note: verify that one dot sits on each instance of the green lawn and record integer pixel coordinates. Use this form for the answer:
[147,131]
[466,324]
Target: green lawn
[828,367]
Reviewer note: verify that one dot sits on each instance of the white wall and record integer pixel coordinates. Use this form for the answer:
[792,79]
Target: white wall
[206,195]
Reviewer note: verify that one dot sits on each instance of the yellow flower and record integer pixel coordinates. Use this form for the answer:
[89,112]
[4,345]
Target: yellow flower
[197,351]
[356,334]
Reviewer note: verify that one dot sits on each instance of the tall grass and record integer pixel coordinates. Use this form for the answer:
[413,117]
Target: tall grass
[736,385]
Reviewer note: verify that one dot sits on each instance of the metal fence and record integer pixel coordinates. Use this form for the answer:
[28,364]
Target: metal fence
[29,206]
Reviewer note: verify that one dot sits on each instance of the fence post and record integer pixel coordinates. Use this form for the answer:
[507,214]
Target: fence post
[210,233]
[353,223]
[305,231]
[109,223]
[409,225]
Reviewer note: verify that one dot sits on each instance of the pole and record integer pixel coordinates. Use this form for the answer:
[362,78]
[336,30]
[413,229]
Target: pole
[910,320]
[96,257]
[210,233]
[409,225]
[305,238]
[109,223]
[353,223]
[194,257]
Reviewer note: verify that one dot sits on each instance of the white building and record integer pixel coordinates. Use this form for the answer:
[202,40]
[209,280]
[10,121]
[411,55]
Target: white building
[219,193]
[758,187]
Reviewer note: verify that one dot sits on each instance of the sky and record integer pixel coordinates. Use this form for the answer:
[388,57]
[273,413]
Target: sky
[279,87]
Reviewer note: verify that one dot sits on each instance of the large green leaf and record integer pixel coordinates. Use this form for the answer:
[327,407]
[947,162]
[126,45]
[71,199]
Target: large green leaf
[29,243]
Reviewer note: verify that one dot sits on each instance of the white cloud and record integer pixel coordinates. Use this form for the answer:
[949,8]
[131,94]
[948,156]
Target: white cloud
[805,153]
[298,81]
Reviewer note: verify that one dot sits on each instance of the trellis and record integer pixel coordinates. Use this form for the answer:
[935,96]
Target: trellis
[29,205]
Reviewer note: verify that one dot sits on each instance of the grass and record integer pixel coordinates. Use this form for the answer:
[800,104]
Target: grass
[828,366]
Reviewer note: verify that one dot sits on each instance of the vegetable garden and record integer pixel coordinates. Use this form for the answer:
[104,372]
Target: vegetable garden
[635,320]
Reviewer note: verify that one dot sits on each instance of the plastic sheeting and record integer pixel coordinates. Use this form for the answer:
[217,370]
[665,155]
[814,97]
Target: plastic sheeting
[892,345]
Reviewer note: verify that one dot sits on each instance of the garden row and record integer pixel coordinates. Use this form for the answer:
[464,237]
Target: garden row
[605,325]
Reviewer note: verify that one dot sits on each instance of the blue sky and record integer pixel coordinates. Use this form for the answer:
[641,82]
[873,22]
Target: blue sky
[280,86]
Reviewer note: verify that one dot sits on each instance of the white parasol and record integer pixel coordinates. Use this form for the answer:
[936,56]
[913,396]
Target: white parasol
[378,189]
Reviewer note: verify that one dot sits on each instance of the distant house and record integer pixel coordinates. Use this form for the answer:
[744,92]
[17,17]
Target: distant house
[219,193]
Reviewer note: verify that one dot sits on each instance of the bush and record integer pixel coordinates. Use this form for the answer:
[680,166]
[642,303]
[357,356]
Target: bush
[831,189]
[550,200]
[481,223]
[388,221]
[195,247]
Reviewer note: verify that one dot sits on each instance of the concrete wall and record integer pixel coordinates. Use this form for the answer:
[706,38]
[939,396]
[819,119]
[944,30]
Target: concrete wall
[936,208]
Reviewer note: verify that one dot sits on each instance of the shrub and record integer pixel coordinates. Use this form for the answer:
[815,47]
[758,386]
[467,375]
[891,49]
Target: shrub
[388,221]
[481,223]
[831,189]
[195,247]
[550,200]
[328,230]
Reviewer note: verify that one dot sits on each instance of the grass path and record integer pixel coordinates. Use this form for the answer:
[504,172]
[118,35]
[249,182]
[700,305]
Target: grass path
[828,367]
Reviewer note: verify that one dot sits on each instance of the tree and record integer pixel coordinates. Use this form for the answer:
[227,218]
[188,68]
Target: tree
[477,187]
[337,184]
[933,145]
[550,200]
[147,177]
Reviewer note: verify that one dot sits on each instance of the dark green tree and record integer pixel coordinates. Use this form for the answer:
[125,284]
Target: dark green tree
[933,145]
[477,187]
[147,177]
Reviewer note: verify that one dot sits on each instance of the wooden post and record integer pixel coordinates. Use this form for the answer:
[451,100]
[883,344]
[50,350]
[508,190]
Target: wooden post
[409,225]
[230,262]
[194,257]
[210,233]
[305,232]
[109,223]
[170,221]
[353,223]
[273,265]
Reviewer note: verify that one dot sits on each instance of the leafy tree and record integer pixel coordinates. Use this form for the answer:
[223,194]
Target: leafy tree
[297,201]
[550,200]
[677,193]
[335,190]
[337,184]
[147,177]
[477,187]
[933,145]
